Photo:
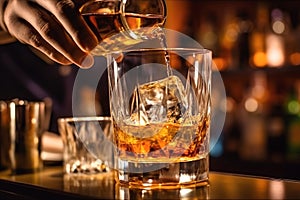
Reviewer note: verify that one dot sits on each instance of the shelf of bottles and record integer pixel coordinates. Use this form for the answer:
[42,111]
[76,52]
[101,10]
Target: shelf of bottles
[256,46]
[248,33]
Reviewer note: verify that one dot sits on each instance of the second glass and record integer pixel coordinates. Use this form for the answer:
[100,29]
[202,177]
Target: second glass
[161,116]
[87,147]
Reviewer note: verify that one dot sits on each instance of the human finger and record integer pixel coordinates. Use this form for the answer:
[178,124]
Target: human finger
[28,35]
[67,13]
[53,37]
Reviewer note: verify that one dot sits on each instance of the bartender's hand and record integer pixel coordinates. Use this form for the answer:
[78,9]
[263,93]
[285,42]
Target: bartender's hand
[54,27]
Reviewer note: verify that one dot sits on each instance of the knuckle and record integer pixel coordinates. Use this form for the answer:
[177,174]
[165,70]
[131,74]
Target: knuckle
[50,54]
[34,39]
[46,30]
[45,27]
[9,16]
[10,21]
[65,6]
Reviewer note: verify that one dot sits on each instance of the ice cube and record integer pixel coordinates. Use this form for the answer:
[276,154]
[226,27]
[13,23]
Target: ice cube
[159,101]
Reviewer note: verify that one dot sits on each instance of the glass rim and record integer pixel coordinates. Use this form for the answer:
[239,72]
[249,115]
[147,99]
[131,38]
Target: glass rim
[83,119]
[183,49]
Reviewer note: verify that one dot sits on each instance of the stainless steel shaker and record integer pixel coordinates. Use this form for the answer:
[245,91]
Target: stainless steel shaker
[26,125]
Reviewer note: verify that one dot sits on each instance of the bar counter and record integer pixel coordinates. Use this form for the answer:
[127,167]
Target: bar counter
[51,183]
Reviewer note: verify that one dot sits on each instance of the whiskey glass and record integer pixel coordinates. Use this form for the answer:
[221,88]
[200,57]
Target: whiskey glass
[87,146]
[160,101]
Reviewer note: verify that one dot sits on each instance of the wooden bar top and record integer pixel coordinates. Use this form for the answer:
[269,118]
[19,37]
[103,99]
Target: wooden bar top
[51,183]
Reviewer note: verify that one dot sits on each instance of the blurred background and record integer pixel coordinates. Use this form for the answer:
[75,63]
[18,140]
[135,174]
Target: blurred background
[256,47]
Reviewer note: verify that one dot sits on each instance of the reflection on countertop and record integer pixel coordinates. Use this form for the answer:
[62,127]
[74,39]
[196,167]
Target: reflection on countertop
[51,182]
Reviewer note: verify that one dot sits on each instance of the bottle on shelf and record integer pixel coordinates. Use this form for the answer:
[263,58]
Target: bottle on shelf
[253,114]
[257,41]
[275,44]
[268,47]
[292,106]
[292,39]
[276,140]
[245,27]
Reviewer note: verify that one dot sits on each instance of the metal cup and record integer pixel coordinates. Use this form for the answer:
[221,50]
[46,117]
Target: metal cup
[4,133]
[26,125]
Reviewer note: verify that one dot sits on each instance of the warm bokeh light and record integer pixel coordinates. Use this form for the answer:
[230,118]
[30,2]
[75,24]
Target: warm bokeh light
[259,91]
[232,33]
[277,190]
[278,27]
[230,104]
[295,58]
[275,51]
[251,105]
[220,63]
[260,59]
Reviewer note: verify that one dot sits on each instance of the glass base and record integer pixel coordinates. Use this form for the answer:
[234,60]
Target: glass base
[85,166]
[164,175]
